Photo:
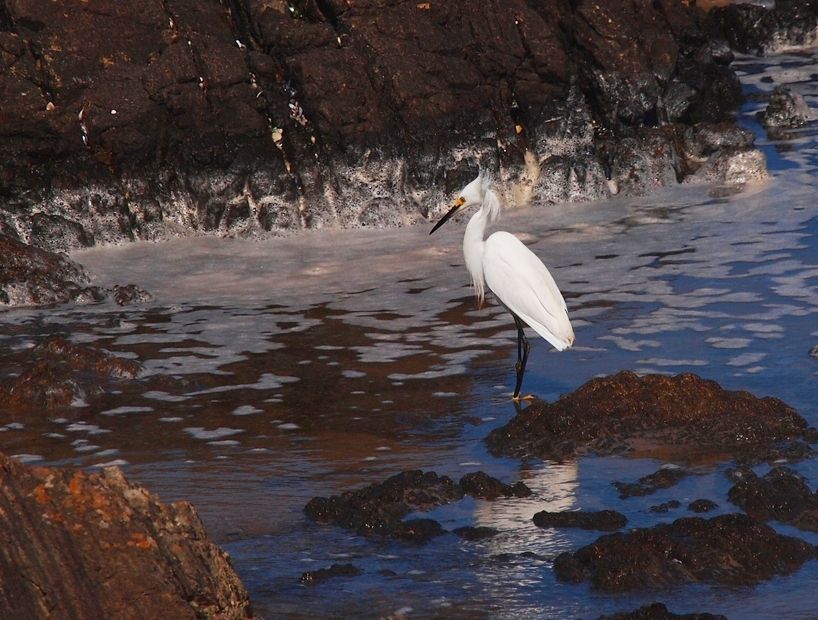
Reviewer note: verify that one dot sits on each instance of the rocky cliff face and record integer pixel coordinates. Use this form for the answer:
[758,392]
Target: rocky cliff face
[141,120]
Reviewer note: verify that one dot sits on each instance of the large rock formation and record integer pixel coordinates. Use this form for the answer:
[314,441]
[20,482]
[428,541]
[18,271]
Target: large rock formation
[90,546]
[139,120]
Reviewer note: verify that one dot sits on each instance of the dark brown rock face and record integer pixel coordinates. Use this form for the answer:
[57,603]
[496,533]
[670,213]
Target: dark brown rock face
[729,549]
[140,120]
[647,485]
[683,415]
[89,546]
[754,29]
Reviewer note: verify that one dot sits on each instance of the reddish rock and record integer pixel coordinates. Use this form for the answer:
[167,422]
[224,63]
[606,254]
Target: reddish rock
[63,372]
[658,611]
[89,546]
[682,417]
[729,549]
[480,484]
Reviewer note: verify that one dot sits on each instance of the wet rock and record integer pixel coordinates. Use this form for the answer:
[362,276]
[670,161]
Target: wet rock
[480,484]
[729,549]
[665,506]
[753,29]
[682,417]
[378,509]
[605,520]
[664,478]
[658,611]
[786,110]
[64,373]
[417,530]
[31,276]
[781,494]
[80,545]
[313,577]
[813,352]
[130,294]
[702,505]
[251,118]
[476,533]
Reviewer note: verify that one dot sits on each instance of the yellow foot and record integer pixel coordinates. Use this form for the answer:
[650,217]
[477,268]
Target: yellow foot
[529,397]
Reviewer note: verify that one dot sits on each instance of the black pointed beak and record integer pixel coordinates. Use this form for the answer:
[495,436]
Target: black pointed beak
[458,203]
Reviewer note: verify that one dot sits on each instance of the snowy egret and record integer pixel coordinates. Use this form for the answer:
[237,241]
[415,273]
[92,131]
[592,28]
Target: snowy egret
[518,279]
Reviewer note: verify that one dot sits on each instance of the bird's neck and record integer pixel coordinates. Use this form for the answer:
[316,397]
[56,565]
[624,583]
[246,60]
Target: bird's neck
[473,245]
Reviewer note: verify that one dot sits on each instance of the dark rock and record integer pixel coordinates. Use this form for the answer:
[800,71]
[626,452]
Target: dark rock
[786,110]
[657,611]
[665,506]
[476,533]
[664,478]
[729,549]
[31,276]
[781,494]
[813,352]
[480,484]
[80,545]
[62,373]
[130,294]
[753,29]
[417,530]
[248,118]
[684,416]
[312,577]
[702,505]
[605,520]
[379,508]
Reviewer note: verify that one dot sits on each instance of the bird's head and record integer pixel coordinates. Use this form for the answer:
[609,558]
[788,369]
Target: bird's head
[472,195]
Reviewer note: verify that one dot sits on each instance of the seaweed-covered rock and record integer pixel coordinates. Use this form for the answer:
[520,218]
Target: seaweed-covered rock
[480,484]
[780,494]
[685,416]
[379,508]
[658,611]
[80,545]
[605,520]
[63,373]
[729,549]
[664,478]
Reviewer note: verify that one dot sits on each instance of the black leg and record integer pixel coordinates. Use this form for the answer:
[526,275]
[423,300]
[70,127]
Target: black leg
[522,355]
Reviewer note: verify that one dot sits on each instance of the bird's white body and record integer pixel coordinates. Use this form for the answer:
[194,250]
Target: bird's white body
[518,279]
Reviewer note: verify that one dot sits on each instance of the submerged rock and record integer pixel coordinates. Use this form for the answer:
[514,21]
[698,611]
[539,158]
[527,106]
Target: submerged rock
[658,611]
[480,484]
[780,494]
[80,545]
[476,533]
[605,520]
[702,505]
[268,117]
[379,509]
[664,478]
[64,373]
[313,577]
[729,549]
[684,416]
[665,506]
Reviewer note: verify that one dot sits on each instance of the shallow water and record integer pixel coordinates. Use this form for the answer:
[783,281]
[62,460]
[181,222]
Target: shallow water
[306,366]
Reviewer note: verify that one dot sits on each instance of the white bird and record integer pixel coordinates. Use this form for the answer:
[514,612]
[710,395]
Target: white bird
[518,279]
